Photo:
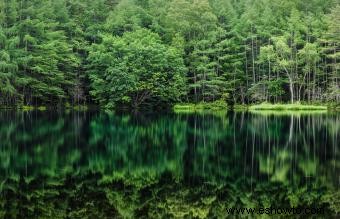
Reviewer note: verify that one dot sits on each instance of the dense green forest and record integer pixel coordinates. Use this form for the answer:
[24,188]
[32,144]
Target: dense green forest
[159,52]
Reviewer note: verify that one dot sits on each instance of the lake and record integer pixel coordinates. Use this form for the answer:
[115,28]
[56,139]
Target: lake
[166,165]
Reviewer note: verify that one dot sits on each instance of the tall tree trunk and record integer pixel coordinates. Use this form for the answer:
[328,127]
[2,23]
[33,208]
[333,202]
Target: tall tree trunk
[269,73]
[314,82]
[252,57]
[245,52]
[291,88]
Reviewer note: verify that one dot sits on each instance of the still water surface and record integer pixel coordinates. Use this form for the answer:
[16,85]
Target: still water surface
[195,165]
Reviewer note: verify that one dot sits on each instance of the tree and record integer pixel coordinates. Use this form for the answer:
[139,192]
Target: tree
[309,56]
[135,69]
[331,50]
[47,60]
[197,24]
[270,84]
[127,16]
[284,62]
[8,70]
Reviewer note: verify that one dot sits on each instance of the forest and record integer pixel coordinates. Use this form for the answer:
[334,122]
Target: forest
[138,53]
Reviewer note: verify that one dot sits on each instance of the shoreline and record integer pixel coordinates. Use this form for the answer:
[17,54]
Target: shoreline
[258,107]
[198,107]
[287,107]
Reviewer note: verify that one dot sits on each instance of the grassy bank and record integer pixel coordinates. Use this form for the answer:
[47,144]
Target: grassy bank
[240,107]
[221,105]
[288,112]
[282,107]
[44,108]
[29,108]
[191,107]
[202,106]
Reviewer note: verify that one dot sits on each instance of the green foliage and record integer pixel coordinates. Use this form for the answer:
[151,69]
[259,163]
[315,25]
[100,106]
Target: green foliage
[245,52]
[216,105]
[266,106]
[135,69]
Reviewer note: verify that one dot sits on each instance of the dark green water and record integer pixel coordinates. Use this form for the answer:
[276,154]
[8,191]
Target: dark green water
[106,165]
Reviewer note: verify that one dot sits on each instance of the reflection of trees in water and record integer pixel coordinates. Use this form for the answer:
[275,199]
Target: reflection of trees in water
[204,147]
[303,146]
[38,143]
[283,149]
[131,144]
[168,163]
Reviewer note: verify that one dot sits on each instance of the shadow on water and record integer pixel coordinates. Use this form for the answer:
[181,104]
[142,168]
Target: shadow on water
[93,164]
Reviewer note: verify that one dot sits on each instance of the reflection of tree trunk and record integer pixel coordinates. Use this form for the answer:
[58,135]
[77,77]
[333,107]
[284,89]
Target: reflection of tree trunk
[245,157]
[291,129]
[204,144]
[234,134]
[269,154]
[252,160]
[242,120]
[189,153]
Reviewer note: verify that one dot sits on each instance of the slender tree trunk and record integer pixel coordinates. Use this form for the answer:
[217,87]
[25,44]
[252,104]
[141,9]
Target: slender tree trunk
[252,55]
[269,72]
[245,52]
[335,65]
[314,82]
[291,88]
